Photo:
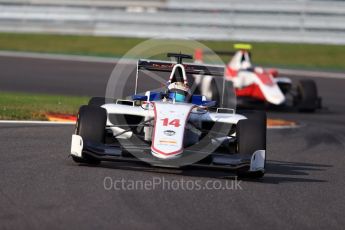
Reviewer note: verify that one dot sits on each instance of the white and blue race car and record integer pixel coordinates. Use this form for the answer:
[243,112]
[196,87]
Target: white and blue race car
[171,128]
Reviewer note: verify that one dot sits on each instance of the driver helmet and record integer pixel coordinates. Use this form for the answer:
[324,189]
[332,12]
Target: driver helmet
[245,65]
[178,91]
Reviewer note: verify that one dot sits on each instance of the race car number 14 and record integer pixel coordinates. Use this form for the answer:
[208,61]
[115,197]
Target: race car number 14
[174,122]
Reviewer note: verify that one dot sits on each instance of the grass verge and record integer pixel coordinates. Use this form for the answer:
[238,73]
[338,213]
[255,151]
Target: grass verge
[325,57]
[23,106]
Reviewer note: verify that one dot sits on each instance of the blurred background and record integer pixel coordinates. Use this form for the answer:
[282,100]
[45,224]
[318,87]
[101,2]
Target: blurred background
[293,34]
[308,21]
[289,33]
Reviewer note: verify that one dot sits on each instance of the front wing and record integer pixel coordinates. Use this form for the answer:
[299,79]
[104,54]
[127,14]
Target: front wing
[253,162]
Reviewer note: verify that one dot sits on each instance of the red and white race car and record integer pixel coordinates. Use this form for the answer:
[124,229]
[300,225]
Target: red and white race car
[255,85]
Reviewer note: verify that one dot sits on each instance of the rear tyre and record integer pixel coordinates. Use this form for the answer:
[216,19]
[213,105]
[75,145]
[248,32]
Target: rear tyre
[90,126]
[307,97]
[209,88]
[99,101]
[251,136]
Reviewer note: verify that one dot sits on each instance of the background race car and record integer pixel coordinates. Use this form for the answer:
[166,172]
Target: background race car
[256,85]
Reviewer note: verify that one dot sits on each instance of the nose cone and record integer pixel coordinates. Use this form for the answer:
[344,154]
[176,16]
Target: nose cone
[273,94]
[169,128]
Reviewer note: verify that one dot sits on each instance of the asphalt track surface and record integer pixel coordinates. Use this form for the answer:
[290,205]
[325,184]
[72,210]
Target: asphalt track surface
[54,77]
[40,187]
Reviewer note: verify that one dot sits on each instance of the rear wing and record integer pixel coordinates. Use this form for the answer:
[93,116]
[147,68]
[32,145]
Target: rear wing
[216,71]
[221,53]
[199,53]
[190,68]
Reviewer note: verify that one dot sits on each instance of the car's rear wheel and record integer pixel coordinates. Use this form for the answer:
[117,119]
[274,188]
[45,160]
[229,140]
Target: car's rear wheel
[99,101]
[251,136]
[212,88]
[90,126]
[307,96]
[208,88]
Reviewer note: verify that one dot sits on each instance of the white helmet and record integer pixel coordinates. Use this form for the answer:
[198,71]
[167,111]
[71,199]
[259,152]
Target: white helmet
[179,91]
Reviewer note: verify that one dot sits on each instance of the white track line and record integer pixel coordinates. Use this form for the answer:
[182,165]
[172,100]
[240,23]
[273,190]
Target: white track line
[37,122]
[311,74]
[79,58]
[60,57]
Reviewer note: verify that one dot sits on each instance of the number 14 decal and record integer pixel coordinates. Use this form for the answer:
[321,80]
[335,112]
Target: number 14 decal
[175,122]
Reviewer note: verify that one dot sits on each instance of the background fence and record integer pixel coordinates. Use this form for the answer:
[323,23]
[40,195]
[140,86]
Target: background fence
[306,21]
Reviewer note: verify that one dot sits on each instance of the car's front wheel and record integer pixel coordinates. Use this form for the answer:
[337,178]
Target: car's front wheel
[307,99]
[90,126]
[251,136]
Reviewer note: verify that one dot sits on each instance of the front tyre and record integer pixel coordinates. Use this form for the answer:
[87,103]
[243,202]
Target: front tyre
[90,126]
[307,99]
[251,136]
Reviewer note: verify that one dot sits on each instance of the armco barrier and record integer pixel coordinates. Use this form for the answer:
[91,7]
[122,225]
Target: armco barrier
[251,20]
